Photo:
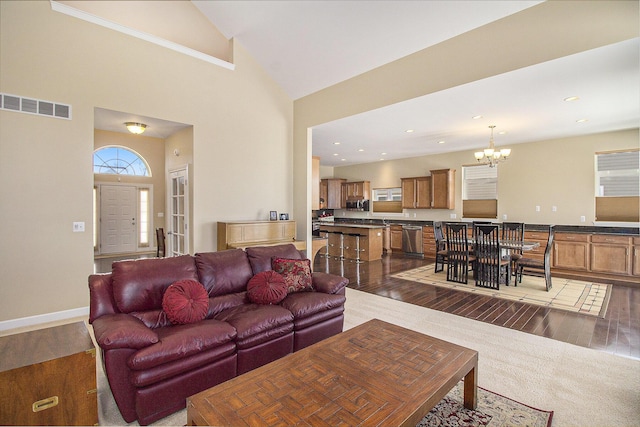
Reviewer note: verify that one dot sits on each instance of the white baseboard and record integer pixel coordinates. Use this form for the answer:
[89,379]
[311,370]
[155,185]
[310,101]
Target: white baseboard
[44,318]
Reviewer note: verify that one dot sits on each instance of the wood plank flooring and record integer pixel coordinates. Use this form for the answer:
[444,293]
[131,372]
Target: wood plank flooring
[618,332]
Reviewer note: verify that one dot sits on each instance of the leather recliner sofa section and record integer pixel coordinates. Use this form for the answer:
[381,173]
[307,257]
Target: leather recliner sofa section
[153,365]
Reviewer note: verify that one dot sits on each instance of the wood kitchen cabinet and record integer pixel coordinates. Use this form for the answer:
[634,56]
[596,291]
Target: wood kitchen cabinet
[428,242]
[611,254]
[571,251]
[541,237]
[396,238]
[315,183]
[635,270]
[443,185]
[416,192]
[331,192]
[359,189]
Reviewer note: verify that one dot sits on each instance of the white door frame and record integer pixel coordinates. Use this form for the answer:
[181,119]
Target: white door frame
[177,222]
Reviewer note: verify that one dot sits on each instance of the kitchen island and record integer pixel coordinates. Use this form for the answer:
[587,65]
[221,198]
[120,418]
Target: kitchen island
[370,237]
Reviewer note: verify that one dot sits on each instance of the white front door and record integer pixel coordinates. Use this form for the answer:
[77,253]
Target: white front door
[118,219]
[178,213]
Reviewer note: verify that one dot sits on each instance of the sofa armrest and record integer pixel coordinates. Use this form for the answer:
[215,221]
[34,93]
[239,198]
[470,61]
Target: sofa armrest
[122,331]
[329,283]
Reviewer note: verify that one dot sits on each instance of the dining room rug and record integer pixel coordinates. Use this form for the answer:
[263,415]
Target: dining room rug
[566,294]
[493,410]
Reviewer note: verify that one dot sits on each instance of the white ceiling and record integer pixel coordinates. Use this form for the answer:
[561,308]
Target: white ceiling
[309,45]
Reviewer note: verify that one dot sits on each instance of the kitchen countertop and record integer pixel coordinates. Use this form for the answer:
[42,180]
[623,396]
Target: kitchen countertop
[625,230]
[348,225]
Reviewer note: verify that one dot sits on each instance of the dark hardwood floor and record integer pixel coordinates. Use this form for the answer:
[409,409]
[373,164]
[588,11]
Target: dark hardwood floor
[618,332]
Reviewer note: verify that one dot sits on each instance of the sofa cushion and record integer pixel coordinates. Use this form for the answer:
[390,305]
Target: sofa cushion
[223,272]
[180,341]
[260,256]
[139,285]
[309,308]
[296,273]
[185,301]
[267,287]
[225,302]
[256,323]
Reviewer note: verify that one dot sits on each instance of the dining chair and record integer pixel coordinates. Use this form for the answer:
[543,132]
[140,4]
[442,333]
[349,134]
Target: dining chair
[458,257]
[514,232]
[160,251]
[536,265]
[441,246]
[491,268]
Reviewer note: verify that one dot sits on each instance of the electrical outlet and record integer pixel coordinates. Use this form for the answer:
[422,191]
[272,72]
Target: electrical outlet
[583,218]
[537,208]
[554,209]
[504,217]
[453,216]
[78,227]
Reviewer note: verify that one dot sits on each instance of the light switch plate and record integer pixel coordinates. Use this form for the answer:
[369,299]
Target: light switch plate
[78,227]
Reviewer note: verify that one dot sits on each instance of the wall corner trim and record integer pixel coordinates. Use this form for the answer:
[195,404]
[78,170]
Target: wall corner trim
[76,13]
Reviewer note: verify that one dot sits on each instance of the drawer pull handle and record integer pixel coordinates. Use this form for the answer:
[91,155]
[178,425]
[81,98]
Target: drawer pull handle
[43,404]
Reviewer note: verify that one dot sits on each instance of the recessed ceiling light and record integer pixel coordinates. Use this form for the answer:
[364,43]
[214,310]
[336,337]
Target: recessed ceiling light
[409,130]
[582,120]
[381,159]
[476,117]
[343,160]
[383,154]
[440,142]
[572,98]
[504,132]
[336,143]
[335,154]
[361,149]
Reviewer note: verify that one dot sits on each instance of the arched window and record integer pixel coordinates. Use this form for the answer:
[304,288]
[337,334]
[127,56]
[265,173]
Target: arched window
[119,161]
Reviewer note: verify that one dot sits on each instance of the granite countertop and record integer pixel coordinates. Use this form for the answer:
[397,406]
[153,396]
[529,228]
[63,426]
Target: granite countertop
[588,229]
[349,225]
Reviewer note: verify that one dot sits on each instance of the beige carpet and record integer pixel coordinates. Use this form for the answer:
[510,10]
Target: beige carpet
[565,294]
[584,387]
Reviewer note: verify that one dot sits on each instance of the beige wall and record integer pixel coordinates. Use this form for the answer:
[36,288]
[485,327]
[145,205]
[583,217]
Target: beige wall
[242,144]
[544,32]
[558,172]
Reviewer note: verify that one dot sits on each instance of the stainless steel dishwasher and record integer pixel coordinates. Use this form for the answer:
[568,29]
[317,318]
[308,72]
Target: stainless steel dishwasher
[412,240]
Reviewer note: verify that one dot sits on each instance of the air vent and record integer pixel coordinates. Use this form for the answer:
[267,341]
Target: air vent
[34,106]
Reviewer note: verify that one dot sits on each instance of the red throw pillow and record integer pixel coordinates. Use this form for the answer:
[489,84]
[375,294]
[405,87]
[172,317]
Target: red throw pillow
[296,273]
[185,301]
[267,287]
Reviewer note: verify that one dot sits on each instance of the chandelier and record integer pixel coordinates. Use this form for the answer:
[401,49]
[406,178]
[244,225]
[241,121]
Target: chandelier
[490,156]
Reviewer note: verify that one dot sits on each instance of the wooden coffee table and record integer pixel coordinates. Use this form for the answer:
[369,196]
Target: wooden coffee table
[374,374]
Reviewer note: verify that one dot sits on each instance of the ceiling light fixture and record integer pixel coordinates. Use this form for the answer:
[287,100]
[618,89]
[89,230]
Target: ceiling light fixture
[136,128]
[409,130]
[476,117]
[572,98]
[490,155]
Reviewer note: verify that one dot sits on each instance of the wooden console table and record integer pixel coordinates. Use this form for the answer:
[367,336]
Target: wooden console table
[48,377]
[242,234]
[376,374]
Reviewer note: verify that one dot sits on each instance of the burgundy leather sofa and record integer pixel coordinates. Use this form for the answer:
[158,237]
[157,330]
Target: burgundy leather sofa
[153,365]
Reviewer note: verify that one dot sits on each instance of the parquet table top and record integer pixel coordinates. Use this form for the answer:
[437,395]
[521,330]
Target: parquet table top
[372,375]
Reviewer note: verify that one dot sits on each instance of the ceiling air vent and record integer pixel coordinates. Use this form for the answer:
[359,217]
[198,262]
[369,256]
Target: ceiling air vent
[34,106]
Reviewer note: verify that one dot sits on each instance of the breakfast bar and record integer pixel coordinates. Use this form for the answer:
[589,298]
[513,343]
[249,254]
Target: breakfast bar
[354,241]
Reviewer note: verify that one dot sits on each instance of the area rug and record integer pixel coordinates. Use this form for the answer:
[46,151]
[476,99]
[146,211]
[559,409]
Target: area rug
[493,410]
[566,294]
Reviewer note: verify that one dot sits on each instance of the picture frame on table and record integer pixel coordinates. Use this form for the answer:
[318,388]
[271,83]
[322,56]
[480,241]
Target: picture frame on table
[284,217]
[273,215]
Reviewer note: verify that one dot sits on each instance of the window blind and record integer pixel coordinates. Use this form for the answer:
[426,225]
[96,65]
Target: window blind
[618,174]
[479,182]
